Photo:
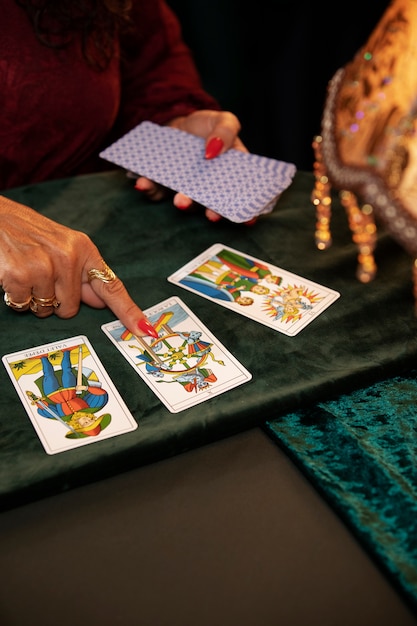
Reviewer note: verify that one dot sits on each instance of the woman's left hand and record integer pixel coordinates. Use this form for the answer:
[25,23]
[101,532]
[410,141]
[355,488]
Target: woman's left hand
[220,130]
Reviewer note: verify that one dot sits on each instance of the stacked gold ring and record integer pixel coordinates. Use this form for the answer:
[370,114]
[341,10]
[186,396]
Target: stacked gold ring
[36,302]
[106,275]
[16,306]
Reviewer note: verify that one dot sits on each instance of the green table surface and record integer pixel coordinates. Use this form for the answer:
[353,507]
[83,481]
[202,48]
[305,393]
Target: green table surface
[368,334]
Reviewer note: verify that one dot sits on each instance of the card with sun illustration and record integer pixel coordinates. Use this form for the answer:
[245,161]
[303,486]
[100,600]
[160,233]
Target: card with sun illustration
[256,289]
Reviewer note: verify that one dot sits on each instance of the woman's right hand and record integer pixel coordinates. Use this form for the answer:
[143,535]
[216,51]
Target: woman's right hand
[42,261]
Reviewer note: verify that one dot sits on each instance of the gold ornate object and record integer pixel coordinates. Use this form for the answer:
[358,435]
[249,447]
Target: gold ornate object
[106,276]
[36,302]
[16,306]
[367,149]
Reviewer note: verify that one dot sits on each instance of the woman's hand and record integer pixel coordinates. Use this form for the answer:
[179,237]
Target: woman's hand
[220,129]
[47,268]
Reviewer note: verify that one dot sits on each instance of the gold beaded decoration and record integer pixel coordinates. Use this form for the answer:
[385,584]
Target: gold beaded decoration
[321,198]
[363,228]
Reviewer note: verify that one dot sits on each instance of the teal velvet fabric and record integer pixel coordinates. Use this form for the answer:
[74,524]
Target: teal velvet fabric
[360,452]
[369,333]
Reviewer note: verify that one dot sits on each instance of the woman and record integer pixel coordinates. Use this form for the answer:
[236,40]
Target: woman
[75,75]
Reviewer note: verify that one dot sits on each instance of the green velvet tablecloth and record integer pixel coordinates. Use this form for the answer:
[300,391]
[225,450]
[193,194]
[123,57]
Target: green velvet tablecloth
[368,334]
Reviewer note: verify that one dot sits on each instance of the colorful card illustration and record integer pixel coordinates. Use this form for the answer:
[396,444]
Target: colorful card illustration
[186,365]
[260,291]
[68,395]
[236,184]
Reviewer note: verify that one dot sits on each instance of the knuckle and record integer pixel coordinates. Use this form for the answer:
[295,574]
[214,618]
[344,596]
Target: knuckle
[78,243]
[43,314]
[115,288]
[68,311]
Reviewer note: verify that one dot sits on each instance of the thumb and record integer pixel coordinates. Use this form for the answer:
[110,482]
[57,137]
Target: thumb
[221,140]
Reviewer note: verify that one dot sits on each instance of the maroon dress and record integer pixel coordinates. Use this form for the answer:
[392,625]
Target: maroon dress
[57,112]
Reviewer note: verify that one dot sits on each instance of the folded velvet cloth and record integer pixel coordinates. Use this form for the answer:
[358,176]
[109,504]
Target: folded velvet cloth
[360,452]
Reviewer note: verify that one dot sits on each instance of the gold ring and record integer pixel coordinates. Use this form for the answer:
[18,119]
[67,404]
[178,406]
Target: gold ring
[106,276]
[16,306]
[36,302]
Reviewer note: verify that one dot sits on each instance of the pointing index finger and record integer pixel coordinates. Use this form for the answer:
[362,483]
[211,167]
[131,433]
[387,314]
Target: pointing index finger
[111,290]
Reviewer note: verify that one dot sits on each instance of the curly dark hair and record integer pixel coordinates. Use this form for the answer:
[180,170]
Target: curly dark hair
[57,22]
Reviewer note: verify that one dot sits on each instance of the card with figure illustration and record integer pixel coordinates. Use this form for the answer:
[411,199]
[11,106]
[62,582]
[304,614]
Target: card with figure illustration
[256,289]
[186,365]
[68,395]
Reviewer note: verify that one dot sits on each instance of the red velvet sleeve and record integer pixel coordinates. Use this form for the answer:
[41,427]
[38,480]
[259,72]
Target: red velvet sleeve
[159,77]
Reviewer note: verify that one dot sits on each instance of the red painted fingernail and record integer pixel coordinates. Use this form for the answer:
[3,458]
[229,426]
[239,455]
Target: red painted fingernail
[213,147]
[214,217]
[147,328]
[183,206]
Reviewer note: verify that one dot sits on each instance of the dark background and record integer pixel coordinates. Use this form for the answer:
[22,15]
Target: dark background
[270,63]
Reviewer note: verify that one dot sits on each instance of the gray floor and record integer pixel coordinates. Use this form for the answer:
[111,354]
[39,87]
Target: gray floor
[227,535]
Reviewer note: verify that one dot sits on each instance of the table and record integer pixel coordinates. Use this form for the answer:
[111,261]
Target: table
[367,335]
[230,533]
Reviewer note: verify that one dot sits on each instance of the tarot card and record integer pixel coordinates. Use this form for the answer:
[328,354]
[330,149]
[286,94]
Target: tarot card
[264,293]
[68,395]
[186,365]
[236,184]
